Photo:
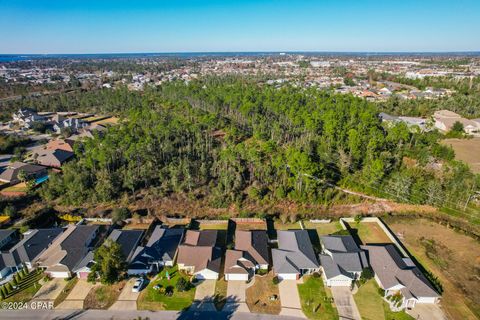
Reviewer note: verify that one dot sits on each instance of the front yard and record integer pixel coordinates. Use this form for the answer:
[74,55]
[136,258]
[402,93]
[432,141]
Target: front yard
[316,299]
[259,294]
[103,296]
[373,307]
[156,299]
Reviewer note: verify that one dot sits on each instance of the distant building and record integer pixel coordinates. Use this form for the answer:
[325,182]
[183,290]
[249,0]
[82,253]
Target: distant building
[11,173]
[445,119]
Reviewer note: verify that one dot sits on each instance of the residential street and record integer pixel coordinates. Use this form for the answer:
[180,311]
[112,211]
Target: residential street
[129,315]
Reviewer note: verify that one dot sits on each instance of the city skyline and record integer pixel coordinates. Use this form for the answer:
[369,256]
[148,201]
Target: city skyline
[48,27]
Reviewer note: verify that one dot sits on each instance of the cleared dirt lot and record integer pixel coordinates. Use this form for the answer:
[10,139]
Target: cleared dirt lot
[451,256]
[467,150]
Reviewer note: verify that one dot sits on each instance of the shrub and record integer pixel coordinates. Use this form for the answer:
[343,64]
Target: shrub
[120,214]
[381,292]
[182,285]
[8,287]
[275,280]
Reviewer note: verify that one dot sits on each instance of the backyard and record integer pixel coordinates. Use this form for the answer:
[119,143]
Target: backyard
[259,294]
[369,232]
[450,255]
[156,299]
[316,299]
[373,307]
[323,228]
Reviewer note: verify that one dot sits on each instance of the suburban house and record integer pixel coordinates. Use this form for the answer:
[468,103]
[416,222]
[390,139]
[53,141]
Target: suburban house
[341,260]
[398,275]
[72,123]
[24,252]
[67,251]
[11,173]
[26,117]
[60,144]
[250,254]
[52,158]
[128,241]
[445,119]
[294,256]
[160,250]
[198,255]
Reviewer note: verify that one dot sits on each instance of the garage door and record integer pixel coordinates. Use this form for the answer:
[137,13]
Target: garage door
[83,275]
[287,276]
[242,277]
[426,300]
[339,283]
[59,274]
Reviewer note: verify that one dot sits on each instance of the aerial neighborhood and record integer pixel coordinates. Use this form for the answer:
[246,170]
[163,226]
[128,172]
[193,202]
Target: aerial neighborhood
[261,260]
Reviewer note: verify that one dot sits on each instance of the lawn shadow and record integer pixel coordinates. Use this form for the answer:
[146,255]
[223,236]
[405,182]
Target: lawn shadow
[205,309]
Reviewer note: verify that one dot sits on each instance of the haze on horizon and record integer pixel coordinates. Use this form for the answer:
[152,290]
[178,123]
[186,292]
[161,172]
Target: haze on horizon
[65,27]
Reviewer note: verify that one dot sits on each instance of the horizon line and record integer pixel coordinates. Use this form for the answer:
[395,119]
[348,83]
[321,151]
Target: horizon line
[247,51]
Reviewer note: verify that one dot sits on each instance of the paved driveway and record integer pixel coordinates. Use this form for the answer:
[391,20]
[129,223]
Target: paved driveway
[427,312]
[127,300]
[50,290]
[76,297]
[204,294]
[236,296]
[343,298]
[290,299]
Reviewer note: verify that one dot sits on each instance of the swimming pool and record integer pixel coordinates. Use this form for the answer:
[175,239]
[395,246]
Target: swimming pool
[41,179]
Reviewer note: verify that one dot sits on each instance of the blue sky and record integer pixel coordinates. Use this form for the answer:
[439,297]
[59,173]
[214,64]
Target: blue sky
[85,26]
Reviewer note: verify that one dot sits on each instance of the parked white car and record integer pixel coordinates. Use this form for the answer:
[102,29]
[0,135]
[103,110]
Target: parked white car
[137,286]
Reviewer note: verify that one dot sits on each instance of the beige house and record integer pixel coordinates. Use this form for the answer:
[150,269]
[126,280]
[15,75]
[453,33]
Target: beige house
[445,119]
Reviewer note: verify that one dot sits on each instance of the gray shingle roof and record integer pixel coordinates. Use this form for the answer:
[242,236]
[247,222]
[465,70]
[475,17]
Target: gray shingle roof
[392,270]
[295,252]
[161,246]
[128,241]
[75,245]
[32,245]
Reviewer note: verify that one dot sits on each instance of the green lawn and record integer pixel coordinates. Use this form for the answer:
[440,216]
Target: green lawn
[315,299]
[373,307]
[323,228]
[151,299]
[25,295]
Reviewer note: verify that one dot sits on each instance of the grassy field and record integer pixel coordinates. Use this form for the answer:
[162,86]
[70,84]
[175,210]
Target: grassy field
[373,307]
[451,256]
[103,296]
[315,299]
[466,150]
[369,232]
[258,295]
[151,299]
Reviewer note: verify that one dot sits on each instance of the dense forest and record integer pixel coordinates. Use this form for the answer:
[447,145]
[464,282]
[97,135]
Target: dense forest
[230,140]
